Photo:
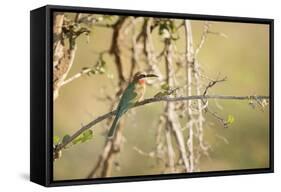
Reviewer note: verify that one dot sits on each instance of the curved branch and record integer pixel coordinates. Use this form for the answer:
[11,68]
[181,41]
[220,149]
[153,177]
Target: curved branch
[154,100]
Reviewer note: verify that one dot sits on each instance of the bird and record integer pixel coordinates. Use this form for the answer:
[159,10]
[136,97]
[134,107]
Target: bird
[131,95]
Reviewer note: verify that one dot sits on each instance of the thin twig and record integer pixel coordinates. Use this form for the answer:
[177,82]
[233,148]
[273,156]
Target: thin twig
[84,71]
[203,37]
[219,118]
[76,76]
[214,114]
[213,83]
[141,152]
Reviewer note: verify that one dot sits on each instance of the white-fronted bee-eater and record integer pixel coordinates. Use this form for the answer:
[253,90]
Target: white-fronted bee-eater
[132,94]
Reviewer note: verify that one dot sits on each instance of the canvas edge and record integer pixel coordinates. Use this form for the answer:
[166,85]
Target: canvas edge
[48,180]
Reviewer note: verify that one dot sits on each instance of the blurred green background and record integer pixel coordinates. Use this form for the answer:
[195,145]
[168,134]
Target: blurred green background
[243,57]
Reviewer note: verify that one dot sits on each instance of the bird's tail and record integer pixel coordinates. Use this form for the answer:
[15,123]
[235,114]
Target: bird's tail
[112,129]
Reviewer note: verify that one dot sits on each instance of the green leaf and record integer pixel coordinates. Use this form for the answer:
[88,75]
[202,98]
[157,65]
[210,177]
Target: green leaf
[56,140]
[230,119]
[93,72]
[161,94]
[102,70]
[172,27]
[108,17]
[164,30]
[175,37]
[76,141]
[162,26]
[85,68]
[165,87]
[65,138]
[102,62]
[85,136]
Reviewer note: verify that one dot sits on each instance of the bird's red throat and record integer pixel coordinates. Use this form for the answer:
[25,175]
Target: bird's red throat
[141,81]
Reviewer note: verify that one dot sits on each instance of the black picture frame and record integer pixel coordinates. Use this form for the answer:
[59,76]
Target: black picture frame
[41,101]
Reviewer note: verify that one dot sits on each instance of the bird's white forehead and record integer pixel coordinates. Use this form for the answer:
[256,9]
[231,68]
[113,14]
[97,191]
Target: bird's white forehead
[141,73]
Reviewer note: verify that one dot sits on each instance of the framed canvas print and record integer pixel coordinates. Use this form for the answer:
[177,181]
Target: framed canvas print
[119,95]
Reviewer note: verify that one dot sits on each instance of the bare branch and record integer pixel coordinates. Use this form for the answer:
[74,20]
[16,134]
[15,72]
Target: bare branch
[135,49]
[219,118]
[154,100]
[76,76]
[115,47]
[189,56]
[213,83]
[169,108]
[171,117]
[214,114]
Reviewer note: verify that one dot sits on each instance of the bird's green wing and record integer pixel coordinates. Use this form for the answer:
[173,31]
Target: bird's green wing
[128,99]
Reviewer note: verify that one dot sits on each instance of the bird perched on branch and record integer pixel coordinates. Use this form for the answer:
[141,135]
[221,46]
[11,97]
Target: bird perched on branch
[132,94]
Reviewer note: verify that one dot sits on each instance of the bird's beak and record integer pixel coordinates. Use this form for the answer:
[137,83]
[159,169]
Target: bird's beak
[151,75]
